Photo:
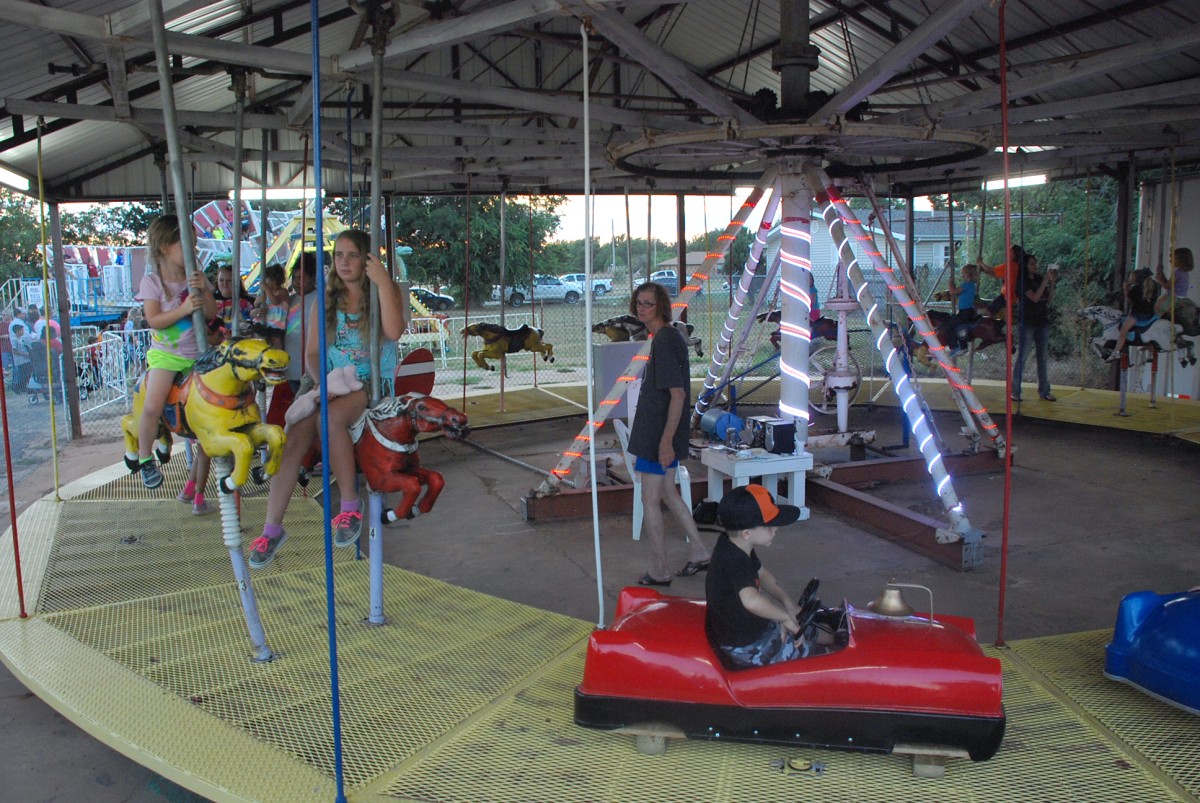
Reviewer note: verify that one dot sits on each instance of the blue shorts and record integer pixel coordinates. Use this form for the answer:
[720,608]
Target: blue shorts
[644,466]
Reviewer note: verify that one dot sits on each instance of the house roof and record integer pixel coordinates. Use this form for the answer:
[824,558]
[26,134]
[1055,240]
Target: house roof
[485,95]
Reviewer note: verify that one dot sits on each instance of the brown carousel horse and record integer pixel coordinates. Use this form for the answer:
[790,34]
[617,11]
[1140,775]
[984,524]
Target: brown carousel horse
[498,341]
[385,448]
[821,328]
[623,328]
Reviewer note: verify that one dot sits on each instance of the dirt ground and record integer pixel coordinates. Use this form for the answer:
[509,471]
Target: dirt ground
[1094,514]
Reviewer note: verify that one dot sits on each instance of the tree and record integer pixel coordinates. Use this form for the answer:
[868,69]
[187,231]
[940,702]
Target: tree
[110,224]
[1072,223]
[20,235]
[735,257]
[435,227]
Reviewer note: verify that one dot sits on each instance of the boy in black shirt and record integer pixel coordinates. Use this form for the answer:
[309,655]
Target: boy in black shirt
[750,617]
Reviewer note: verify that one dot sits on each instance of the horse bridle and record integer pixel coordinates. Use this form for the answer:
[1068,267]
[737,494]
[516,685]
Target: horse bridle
[402,404]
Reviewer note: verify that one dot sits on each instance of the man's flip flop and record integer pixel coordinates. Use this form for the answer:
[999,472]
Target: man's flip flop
[692,568]
[647,580]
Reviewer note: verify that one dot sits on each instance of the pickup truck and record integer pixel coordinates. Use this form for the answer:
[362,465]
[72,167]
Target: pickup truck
[577,281]
[545,288]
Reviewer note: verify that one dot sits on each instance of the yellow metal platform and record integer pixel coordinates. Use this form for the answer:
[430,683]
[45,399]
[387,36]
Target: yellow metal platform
[461,696]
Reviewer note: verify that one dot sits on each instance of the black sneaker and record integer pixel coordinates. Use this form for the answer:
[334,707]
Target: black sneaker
[262,551]
[151,476]
[347,527]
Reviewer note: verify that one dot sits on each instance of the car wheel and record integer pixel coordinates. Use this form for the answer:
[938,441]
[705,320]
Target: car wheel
[443,306]
[600,291]
[571,297]
[516,300]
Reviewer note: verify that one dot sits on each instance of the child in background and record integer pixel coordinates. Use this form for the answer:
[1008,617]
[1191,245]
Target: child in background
[1141,292]
[169,296]
[271,309]
[965,295]
[224,314]
[1180,282]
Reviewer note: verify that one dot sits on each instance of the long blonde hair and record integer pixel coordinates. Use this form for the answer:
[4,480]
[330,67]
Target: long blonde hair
[336,291]
[162,234]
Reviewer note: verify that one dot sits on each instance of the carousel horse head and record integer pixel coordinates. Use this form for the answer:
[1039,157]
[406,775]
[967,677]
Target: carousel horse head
[386,449]
[215,403]
[621,328]
[498,341]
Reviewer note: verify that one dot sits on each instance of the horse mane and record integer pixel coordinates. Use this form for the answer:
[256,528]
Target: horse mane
[490,328]
[387,408]
[214,358]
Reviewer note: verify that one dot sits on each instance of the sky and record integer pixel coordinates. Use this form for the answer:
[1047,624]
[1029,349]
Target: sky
[702,213]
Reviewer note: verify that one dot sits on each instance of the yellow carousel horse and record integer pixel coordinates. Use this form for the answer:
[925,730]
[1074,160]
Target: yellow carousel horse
[214,403]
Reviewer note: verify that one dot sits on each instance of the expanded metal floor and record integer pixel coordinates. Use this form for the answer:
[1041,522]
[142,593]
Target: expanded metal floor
[137,636]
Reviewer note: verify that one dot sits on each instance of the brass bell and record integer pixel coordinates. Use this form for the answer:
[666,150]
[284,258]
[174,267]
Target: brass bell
[890,602]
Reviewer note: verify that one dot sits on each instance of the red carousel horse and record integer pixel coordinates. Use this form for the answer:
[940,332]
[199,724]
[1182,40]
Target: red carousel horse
[385,448]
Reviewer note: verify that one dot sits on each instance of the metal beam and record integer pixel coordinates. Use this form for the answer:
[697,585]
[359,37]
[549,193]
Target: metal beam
[667,68]
[933,29]
[1059,75]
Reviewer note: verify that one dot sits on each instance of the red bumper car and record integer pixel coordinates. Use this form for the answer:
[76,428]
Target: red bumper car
[886,681]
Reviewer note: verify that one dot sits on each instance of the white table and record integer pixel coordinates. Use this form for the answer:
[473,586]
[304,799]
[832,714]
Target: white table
[722,463]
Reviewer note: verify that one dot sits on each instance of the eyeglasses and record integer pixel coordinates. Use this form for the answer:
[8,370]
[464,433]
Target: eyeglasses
[647,304]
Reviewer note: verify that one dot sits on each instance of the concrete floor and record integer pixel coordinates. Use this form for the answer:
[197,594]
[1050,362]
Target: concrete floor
[1095,514]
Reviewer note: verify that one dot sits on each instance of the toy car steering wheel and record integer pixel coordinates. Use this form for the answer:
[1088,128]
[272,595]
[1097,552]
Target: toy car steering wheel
[809,605]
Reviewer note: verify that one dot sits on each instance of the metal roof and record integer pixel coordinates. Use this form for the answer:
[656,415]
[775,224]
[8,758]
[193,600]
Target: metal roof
[683,96]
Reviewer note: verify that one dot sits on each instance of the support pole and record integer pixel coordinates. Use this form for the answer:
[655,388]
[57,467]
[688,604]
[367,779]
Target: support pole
[382,23]
[794,282]
[239,136]
[231,529]
[960,527]
[158,28]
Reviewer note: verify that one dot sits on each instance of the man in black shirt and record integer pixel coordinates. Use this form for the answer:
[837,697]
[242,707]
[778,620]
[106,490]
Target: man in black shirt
[750,617]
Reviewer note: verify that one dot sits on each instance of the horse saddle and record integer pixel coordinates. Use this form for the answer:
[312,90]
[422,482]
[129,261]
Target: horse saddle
[173,409]
[1140,326]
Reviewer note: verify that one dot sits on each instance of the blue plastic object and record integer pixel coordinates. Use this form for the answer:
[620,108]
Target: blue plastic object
[1156,647]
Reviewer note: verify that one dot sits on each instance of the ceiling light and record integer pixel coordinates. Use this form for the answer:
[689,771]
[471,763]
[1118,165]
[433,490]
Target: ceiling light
[279,193]
[14,180]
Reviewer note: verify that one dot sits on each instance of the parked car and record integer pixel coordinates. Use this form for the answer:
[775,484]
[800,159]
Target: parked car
[435,302]
[545,288]
[667,279]
[577,281]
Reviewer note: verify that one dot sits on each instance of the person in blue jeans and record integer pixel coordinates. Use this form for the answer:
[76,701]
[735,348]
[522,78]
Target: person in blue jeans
[1034,291]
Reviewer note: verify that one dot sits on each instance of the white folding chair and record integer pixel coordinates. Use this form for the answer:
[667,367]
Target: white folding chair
[681,476]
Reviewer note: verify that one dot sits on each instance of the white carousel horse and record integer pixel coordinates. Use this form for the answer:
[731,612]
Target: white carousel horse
[1157,335]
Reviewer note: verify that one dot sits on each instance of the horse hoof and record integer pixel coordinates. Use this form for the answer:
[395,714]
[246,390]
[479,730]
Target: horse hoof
[132,464]
[163,455]
[226,485]
[303,478]
[258,474]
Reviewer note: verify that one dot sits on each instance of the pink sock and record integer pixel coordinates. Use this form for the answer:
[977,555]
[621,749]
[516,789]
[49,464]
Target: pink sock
[350,506]
[198,500]
[189,489]
[272,531]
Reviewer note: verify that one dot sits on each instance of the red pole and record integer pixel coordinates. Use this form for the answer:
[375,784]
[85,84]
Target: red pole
[1009,284]
[12,500]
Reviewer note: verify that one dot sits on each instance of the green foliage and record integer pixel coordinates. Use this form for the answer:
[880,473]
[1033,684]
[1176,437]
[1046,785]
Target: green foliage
[735,257]
[110,224]
[20,235]
[1072,223]
[435,227]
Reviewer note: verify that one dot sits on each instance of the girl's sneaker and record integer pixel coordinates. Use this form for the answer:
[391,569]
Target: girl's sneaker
[262,551]
[347,527]
[151,476]
[185,497]
[202,508]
